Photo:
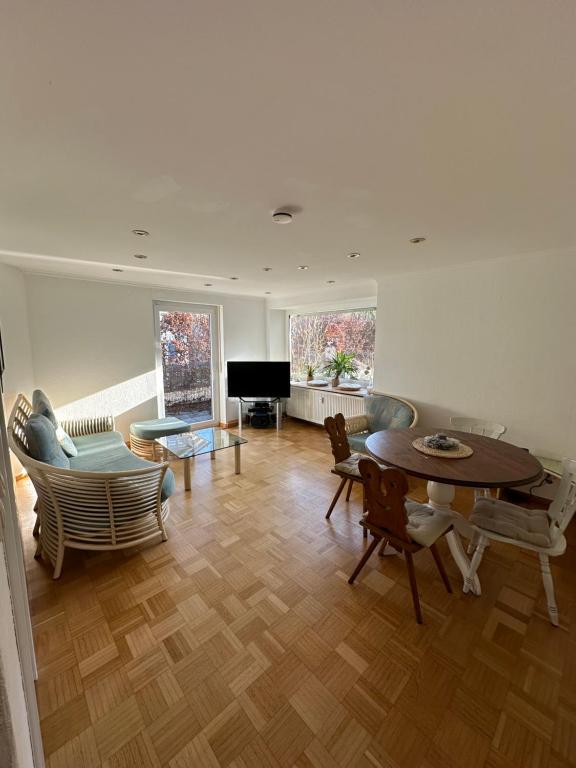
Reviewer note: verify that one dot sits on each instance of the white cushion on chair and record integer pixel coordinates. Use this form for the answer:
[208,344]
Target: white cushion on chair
[529,525]
[350,465]
[426,524]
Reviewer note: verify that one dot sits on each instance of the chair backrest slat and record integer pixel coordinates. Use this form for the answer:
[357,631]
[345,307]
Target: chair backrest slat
[478,426]
[562,509]
[385,491]
[336,428]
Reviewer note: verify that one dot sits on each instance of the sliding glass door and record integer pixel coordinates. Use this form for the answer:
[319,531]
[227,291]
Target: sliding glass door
[187,362]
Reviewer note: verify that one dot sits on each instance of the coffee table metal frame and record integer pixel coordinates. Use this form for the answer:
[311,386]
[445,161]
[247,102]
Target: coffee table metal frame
[182,446]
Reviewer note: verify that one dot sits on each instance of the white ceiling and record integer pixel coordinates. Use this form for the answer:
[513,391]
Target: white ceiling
[380,119]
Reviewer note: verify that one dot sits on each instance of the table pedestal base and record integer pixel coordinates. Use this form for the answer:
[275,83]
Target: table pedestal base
[441,496]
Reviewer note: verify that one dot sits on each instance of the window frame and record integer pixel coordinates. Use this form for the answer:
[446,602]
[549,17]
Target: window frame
[347,310]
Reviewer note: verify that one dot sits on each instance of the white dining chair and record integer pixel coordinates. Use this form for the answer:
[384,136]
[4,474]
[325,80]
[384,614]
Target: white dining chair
[478,426]
[537,530]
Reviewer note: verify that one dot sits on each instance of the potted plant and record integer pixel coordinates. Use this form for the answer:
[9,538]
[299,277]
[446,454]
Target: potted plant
[310,371]
[339,364]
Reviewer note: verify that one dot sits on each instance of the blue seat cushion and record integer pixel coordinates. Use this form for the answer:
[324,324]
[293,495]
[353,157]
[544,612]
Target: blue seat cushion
[150,430]
[107,452]
[358,442]
[42,442]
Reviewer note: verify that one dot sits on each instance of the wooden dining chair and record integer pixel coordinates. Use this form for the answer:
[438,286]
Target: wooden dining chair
[345,462]
[405,525]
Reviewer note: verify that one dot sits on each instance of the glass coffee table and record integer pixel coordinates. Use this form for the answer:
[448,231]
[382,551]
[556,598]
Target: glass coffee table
[187,445]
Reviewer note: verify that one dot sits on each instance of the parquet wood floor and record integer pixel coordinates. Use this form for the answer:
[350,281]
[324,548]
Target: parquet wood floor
[239,643]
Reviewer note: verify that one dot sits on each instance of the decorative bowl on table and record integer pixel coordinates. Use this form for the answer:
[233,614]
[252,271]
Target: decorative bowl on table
[348,386]
[317,383]
[441,442]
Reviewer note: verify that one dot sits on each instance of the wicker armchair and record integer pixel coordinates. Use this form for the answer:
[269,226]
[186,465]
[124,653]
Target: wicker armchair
[89,510]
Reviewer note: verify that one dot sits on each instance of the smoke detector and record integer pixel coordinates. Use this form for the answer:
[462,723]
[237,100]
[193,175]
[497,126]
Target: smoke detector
[282,217]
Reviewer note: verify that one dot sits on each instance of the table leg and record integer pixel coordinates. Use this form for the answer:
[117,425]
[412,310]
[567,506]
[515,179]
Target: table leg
[278,415]
[441,496]
[237,459]
[213,455]
[187,481]
[240,417]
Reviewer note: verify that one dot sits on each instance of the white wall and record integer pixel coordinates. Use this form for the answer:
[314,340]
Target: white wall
[492,340]
[19,374]
[88,337]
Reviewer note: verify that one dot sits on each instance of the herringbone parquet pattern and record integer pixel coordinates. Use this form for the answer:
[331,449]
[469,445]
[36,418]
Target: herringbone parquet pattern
[239,643]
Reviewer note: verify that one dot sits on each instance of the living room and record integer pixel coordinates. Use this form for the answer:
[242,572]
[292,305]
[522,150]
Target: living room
[193,187]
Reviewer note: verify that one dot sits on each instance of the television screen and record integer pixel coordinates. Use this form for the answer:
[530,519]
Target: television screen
[256,379]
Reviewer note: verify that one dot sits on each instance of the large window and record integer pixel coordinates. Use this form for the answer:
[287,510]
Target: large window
[314,338]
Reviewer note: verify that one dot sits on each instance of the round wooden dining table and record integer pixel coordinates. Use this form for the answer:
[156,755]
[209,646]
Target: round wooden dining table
[493,464]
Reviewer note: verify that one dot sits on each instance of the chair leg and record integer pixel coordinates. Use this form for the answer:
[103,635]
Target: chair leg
[364,513]
[382,547]
[549,588]
[440,566]
[475,563]
[59,562]
[364,560]
[336,497]
[349,491]
[413,586]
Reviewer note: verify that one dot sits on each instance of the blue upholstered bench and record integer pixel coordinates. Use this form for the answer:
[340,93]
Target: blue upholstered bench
[144,433]
[381,412]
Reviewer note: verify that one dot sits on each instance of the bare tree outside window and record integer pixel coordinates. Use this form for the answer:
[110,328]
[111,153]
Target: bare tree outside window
[185,338]
[314,338]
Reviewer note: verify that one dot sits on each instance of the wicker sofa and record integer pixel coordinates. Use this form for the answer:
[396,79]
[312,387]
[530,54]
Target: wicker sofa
[107,498]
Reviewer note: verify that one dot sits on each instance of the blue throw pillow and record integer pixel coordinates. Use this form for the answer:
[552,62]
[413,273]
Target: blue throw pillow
[41,404]
[42,442]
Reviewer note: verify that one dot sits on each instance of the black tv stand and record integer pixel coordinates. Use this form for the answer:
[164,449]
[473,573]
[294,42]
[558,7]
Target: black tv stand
[262,413]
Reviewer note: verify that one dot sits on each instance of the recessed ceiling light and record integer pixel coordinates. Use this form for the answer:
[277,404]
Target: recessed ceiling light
[266,269]
[117,269]
[233,278]
[140,256]
[140,232]
[282,217]
[268,293]
[302,266]
[208,285]
[353,255]
[330,282]
[416,240]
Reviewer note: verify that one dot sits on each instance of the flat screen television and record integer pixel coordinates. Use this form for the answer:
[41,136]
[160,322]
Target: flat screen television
[257,379]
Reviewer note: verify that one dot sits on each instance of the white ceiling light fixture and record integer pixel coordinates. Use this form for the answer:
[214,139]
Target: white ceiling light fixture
[140,232]
[208,285]
[234,278]
[140,256]
[266,269]
[416,240]
[282,217]
[330,282]
[268,293]
[117,269]
[353,255]
[302,266]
